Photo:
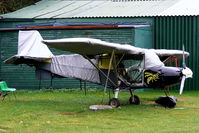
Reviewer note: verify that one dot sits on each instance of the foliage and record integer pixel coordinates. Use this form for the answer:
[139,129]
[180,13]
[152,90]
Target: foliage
[7,6]
[67,111]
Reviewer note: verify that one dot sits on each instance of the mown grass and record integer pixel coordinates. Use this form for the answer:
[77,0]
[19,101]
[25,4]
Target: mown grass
[67,111]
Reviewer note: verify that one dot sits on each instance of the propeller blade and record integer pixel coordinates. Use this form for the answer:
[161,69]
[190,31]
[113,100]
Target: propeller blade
[187,72]
[183,57]
[182,84]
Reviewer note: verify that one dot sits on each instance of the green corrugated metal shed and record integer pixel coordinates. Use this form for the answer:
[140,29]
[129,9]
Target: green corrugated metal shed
[173,22]
[173,32]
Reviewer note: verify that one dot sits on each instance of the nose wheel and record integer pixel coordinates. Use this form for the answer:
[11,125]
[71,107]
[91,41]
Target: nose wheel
[134,100]
[114,102]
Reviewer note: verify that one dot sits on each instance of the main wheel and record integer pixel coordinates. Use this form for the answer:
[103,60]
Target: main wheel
[114,102]
[134,100]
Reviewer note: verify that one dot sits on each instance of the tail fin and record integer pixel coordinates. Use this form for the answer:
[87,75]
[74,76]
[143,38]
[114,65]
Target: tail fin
[30,45]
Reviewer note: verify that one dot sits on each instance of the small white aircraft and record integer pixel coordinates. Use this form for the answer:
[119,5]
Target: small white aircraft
[113,65]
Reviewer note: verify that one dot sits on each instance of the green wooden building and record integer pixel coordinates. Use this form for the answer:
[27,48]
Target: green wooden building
[143,23]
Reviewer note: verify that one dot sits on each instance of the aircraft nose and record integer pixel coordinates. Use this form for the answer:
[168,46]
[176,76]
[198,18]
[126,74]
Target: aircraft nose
[187,72]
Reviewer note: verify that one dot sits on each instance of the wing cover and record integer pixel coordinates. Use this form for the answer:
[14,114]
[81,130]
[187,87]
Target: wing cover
[30,47]
[164,54]
[167,52]
[75,66]
[88,46]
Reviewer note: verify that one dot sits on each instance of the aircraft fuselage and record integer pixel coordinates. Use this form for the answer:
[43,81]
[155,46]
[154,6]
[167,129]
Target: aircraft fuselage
[160,77]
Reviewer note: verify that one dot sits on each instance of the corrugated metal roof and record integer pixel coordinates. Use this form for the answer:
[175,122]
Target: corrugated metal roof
[107,8]
[184,8]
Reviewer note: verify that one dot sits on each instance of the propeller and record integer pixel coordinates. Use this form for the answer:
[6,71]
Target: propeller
[183,58]
[186,72]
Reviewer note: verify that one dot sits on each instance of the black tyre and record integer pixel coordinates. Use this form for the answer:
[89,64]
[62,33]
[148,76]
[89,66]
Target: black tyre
[134,100]
[114,102]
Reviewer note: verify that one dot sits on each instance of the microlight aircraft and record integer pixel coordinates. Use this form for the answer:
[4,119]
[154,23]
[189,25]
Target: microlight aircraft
[112,65]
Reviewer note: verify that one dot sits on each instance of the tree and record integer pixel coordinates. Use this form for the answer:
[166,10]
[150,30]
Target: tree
[7,6]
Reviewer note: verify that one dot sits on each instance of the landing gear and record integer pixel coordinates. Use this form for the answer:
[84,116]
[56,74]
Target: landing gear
[166,91]
[114,102]
[134,100]
[167,101]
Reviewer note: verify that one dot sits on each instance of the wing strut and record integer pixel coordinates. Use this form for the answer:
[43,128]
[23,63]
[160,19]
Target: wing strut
[111,62]
[86,57]
[120,59]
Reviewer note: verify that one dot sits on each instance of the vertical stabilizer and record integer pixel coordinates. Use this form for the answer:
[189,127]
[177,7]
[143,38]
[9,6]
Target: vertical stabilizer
[30,45]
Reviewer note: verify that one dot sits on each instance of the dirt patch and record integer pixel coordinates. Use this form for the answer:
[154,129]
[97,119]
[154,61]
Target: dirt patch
[68,114]
[73,123]
[184,99]
[150,102]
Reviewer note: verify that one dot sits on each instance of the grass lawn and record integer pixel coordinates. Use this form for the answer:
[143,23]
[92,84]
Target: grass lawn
[67,111]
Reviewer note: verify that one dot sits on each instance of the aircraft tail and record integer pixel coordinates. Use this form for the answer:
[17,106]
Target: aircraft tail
[30,46]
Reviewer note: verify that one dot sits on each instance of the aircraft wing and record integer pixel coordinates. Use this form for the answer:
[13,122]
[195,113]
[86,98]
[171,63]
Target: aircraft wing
[92,47]
[88,46]
[164,54]
[167,52]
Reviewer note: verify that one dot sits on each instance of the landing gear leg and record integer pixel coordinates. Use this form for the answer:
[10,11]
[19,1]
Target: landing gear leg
[166,91]
[134,99]
[114,102]
[167,101]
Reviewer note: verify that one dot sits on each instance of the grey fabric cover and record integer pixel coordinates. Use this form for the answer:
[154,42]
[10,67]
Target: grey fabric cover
[89,46]
[30,46]
[75,66]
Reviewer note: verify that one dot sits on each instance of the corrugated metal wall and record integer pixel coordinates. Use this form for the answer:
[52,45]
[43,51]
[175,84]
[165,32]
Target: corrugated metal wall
[172,33]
